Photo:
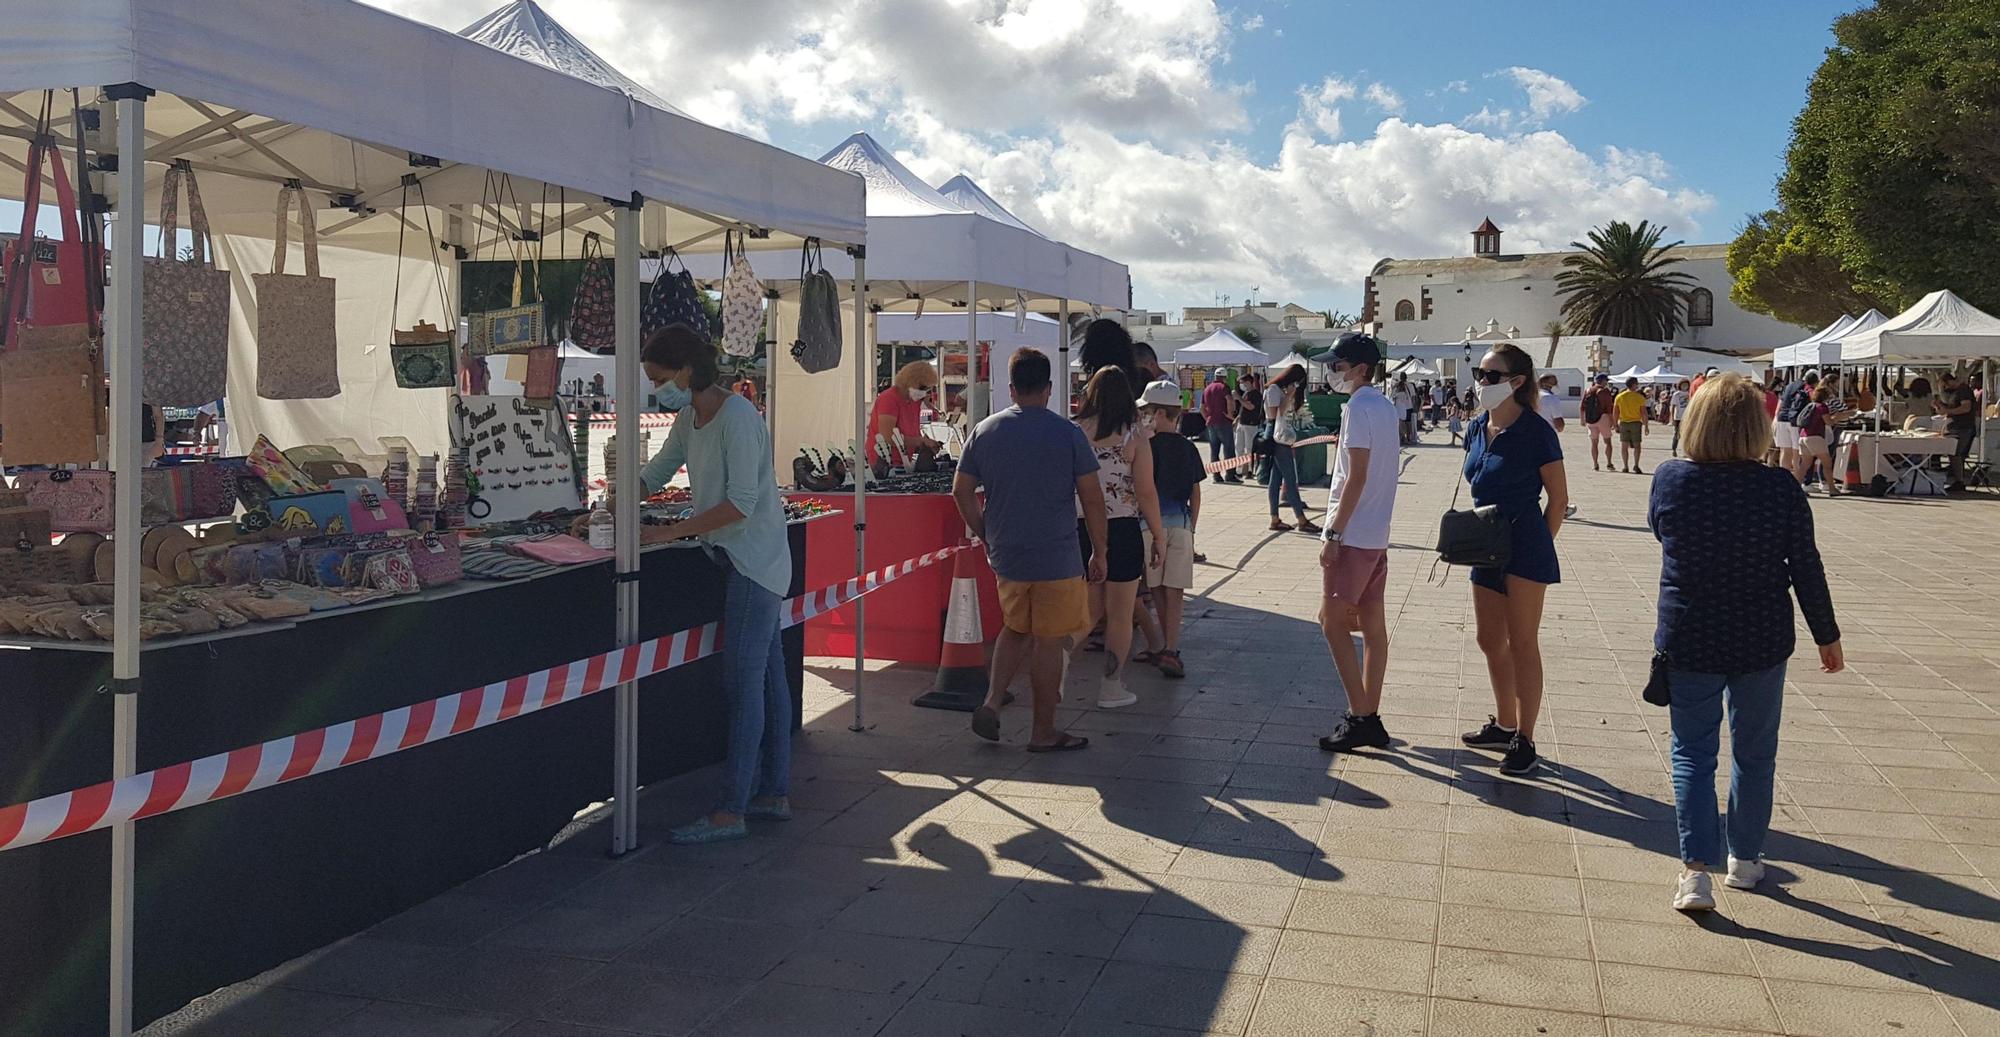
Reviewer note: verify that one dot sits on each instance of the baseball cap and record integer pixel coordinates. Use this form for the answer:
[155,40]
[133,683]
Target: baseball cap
[1356,347]
[1713,371]
[1163,393]
[1218,375]
[1602,378]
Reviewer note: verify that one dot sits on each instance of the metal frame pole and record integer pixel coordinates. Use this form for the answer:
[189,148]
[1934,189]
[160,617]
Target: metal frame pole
[625,324]
[1062,361]
[771,364]
[127,371]
[864,381]
[972,414]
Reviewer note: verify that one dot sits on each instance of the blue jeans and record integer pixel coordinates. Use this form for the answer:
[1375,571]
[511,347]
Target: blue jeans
[760,702]
[1754,700]
[1222,443]
[1285,474]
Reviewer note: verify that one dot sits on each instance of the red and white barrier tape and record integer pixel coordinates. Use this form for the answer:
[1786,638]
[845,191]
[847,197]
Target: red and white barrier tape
[280,760]
[646,421]
[203,450]
[1213,467]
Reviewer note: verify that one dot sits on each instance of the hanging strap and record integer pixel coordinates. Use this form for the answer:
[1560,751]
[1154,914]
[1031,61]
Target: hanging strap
[430,250]
[308,232]
[179,174]
[75,270]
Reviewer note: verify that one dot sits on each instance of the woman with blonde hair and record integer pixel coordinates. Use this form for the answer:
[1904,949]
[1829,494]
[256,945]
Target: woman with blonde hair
[1514,462]
[897,419]
[1736,541]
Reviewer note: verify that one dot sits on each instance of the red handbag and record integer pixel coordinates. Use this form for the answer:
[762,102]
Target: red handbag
[48,281]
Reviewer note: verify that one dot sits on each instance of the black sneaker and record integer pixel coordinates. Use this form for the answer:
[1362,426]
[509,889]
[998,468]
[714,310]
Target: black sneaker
[1521,758]
[1492,736]
[1356,733]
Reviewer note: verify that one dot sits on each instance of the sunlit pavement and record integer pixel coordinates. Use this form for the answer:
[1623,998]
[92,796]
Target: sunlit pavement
[1202,866]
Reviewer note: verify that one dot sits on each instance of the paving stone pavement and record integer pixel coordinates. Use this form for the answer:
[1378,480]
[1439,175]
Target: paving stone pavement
[1203,867]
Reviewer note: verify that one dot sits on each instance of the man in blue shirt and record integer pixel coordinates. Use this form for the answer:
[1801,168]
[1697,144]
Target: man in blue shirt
[1036,469]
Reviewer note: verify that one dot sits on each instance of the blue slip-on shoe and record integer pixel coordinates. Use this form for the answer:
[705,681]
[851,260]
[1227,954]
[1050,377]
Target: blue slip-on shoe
[774,808]
[702,831]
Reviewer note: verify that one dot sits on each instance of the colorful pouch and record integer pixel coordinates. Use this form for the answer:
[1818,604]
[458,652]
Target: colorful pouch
[277,472]
[392,571]
[310,514]
[77,500]
[369,509]
[436,559]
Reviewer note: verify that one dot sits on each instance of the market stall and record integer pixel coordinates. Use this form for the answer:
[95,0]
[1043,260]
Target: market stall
[1939,330]
[285,588]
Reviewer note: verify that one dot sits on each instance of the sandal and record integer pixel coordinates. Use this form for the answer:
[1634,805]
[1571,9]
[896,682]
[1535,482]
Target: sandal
[1170,664]
[1279,526]
[1307,526]
[1067,743]
[986,723]
[1147,658]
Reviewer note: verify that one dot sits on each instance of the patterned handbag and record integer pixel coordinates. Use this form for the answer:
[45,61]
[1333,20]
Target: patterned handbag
[742,304]
[671,299]
[213,489]
[166,495]
[78,501]
[392,571]
[437,559]
[49,282]
[298,352]
[515,329]
[818,346]
[52,406]
[593,311]
[421,357]
[186,306]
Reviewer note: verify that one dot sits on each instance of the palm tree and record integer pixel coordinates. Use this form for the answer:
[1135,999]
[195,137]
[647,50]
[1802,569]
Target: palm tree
[1621,286]
[1554,330]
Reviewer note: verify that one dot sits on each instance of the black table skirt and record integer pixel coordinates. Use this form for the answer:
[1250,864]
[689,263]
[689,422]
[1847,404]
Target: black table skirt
[229,889]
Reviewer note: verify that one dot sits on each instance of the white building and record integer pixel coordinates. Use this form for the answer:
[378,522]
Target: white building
[1450,300]
[1270,327]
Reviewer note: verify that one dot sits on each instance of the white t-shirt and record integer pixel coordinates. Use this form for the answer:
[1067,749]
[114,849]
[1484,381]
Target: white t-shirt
[1550,406]
[1368,422]
[1680,403]
[1283,429]
[1401,399]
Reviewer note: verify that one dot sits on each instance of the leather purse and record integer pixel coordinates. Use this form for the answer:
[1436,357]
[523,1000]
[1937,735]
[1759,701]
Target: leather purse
[1478,537]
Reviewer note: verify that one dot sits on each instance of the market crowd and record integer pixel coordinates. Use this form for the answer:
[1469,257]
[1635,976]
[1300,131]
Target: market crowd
[1085,518]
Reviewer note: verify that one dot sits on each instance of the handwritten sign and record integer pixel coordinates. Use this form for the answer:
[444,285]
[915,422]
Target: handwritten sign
[520,455]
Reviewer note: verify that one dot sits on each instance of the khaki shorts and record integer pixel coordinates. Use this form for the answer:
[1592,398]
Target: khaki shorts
[1045,608]
[1812,444]
[1631,433]
[1178,568]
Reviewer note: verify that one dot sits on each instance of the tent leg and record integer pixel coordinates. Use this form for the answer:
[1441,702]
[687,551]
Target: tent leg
[973,411]
[864,356]
[626,494]
[126,369]
[1062,361]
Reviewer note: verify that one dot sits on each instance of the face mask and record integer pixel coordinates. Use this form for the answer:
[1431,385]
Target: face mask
[919,394]
[1491,396]
[1349,384]
[672,397]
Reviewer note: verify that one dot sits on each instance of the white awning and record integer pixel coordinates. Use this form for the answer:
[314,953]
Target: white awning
[1940,329]
[1221,349]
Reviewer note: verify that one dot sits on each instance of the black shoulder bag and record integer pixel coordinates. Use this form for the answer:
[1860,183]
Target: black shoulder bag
[1481,538]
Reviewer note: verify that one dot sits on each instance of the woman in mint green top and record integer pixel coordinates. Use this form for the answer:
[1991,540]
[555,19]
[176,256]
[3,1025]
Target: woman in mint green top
[739,517]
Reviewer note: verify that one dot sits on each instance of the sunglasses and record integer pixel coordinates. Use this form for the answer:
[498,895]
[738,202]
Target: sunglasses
[1490,376]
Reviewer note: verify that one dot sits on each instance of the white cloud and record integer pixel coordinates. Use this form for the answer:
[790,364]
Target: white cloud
[1114,124]
[1384,98]
[1253,23]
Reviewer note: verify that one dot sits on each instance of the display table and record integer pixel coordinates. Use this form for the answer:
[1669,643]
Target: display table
[1898,457]
[287,869]
[906,620]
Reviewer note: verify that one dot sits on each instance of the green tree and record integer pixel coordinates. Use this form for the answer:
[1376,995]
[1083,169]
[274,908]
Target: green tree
[1783,269]
[1895,160]
[1621,285]
[1247,334]
[1554,330]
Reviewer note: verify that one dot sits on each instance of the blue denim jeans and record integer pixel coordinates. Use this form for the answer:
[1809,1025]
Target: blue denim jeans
[1285,478]
[1754,702]
[1222,442]
[760,702]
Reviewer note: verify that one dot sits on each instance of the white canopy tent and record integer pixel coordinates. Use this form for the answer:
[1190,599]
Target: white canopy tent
[925,253]
[1941,329]
[1222,348]
[1662,375]
[350,103]
[1002,330]
[1806,352]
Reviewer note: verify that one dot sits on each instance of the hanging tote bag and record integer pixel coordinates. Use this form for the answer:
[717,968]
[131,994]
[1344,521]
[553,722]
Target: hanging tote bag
[422,356]
[671,299]
[298,355]
[593,312]
[52,404]
[742,305]
[818,345]
[515,329]
[186,306]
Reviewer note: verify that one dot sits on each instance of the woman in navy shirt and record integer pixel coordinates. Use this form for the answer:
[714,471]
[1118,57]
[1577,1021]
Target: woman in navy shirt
[1512,461]
[1736,542]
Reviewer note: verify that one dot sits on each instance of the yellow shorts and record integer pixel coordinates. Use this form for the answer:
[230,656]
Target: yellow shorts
[1045,608]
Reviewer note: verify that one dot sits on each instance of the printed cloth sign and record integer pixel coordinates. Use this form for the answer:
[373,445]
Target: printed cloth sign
[519,456]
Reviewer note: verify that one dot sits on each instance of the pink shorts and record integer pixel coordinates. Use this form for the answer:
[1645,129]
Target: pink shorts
[1357,576]
[1603,428]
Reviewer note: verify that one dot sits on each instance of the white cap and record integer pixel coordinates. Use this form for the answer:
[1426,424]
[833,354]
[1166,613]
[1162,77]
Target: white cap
[1219,374]
[1163,393]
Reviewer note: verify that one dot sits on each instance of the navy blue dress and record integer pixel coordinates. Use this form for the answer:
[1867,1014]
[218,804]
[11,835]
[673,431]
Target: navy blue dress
[1506,471]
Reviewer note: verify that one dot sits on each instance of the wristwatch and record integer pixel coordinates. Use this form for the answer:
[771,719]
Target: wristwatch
[1333,536]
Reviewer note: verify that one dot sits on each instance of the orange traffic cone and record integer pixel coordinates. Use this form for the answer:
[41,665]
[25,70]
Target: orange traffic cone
[1850,476]
[961,676]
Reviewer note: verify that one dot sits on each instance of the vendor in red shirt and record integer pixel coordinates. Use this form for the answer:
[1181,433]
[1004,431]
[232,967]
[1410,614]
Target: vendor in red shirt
[899,408]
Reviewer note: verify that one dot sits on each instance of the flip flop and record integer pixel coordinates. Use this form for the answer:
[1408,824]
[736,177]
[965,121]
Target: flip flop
[1069,743]
[986,723]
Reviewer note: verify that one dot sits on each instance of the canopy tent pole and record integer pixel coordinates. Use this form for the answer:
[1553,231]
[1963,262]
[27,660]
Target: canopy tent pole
[771,363]
[625,496]
[864,367]
[126,369]
[972,409]
[1062,362]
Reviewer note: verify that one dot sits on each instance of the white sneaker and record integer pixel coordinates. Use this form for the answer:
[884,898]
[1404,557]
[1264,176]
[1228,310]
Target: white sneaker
[1694,892]
[1113,695]
[1743,874]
